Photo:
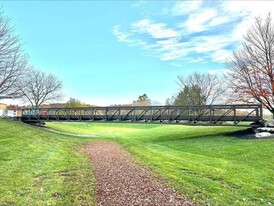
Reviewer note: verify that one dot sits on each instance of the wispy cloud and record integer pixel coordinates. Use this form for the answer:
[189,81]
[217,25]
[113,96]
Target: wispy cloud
[128,38]
[184,7]
[155,30]
[220,55]
[198,22]
[139,3]
[121,36]
[218,20]
[195,31]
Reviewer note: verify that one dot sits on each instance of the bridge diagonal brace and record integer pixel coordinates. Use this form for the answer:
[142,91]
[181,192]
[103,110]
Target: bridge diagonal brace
[77,115]
[225,114]
[200,115]
[130,111]
[57,115]
[161,112]
[174,110]
[177,121]
[247,115]
[116,111]
[143,113]
[88,115]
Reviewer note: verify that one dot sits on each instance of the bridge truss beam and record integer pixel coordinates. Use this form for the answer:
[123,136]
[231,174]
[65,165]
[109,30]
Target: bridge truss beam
[210,114]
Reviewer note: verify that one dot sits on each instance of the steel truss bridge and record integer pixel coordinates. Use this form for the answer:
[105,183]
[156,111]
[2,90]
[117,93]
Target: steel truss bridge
[209,114]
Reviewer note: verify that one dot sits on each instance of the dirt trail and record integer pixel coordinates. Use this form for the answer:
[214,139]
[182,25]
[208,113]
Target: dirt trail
[121,181]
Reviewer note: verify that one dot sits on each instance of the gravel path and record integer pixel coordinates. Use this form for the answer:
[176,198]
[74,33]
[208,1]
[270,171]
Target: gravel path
[120,181]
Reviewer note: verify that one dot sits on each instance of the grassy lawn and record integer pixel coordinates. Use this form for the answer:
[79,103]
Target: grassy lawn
[206,163]
[42,168]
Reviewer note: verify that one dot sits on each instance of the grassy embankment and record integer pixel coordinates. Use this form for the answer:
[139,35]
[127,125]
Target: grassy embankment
[42,168]
[205,163]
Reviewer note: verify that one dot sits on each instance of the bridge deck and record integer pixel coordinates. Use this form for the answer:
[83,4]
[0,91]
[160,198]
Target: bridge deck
[165,114]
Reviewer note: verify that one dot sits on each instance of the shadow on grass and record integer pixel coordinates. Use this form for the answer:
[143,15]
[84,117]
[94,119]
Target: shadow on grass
[242,134]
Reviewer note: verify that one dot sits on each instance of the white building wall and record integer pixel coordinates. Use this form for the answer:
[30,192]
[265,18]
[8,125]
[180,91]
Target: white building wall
[1,112]
[7,113]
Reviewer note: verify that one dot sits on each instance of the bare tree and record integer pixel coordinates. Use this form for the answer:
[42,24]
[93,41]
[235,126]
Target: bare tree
[251,74]
[39,87]
[209,86]
[13,62]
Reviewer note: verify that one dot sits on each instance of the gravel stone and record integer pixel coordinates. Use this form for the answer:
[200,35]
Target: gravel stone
[121,181]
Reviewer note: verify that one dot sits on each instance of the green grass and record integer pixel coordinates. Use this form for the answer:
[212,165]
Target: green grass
[42,168]
[206,163]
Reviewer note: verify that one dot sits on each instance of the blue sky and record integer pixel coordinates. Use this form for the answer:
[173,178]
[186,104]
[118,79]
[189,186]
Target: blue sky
[110,52]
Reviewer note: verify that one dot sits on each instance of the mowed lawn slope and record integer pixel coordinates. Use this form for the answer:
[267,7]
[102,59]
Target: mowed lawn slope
[42,168]
[209,164]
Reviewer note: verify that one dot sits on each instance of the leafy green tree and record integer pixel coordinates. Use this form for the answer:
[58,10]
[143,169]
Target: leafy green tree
[73,102]
[190,95]
[170,101]
[208,86]
[142,100]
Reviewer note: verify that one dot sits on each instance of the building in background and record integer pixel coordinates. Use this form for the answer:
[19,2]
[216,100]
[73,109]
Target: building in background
[7,112]
[3,108]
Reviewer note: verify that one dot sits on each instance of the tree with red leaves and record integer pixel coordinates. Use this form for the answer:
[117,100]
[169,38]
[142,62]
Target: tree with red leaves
[251,75]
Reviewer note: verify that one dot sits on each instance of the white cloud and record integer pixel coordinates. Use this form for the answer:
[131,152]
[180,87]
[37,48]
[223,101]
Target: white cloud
[172,55]
[208,30]
[218,20]
[210,43]
[184,7]
[175,64]
[155,30]
[248,12]
[167,41]
[127,38]
[220,55]
[139,4]
[252,8]
[198,21]
[121,37]
[174,50]
[196,60]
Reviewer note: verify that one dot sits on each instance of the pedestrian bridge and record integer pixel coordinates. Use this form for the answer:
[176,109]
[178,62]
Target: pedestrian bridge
[206,114]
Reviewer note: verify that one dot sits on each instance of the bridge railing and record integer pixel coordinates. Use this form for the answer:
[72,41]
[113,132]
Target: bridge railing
[171,114]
